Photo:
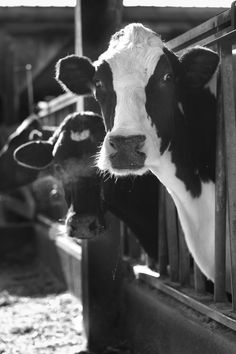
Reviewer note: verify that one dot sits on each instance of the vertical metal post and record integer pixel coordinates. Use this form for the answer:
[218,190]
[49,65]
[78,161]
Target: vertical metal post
[78,44]
[227,77]
[184,259]
[85,271]
[30,90]
[172,237]
[220,204]
[124,240]
[199,280]
[162,236]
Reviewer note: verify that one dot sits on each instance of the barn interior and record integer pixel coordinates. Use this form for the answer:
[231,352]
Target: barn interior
[122,312]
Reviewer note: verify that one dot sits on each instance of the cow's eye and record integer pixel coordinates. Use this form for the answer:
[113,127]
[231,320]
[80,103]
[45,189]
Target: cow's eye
[167,77]
[98,84]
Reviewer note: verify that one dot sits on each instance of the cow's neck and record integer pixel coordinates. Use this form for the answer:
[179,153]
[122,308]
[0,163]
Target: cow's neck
[193,197]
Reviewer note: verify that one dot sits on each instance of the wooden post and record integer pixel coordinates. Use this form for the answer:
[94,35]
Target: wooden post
[103,272]
[102,265]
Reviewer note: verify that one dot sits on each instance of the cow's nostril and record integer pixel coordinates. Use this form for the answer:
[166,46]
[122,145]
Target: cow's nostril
[139,146]
[112,144]
[127,143]
[139,152]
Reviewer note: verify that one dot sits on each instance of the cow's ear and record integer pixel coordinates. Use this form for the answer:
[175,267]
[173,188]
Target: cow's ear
[75,74]
[198,65]
[35,154]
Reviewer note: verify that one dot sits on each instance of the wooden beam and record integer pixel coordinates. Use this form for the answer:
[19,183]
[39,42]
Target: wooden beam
[162,14]
[36,14]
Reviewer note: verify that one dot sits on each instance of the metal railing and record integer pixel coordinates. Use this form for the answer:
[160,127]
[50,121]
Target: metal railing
[57,109]
[177,274]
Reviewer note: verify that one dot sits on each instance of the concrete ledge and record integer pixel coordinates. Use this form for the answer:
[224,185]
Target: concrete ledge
[61,255]
[156,323]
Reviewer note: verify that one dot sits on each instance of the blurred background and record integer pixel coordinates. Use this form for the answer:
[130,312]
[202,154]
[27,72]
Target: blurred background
[35,34]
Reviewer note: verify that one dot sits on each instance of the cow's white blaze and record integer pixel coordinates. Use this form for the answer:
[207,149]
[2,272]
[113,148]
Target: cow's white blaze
[132,60]
[79,136]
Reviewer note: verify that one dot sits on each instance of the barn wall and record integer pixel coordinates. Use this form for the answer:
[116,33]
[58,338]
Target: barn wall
[40,36]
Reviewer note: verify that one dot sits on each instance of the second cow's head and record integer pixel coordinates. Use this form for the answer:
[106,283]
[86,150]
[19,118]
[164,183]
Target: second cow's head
[138,84]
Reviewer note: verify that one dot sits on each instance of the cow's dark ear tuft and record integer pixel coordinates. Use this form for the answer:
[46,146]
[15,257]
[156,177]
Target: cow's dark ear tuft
[36,154]
[75,74]
[198,64]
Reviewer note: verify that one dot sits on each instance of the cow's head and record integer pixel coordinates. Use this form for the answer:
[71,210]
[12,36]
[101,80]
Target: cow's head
[71,152]
[138,83]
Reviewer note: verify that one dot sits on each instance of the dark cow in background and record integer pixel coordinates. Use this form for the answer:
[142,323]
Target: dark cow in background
[160,116]
[72,151]
[17,202]
[12,174]
[23,191]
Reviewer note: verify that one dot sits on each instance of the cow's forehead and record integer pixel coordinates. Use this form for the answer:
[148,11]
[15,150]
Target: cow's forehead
[134,50]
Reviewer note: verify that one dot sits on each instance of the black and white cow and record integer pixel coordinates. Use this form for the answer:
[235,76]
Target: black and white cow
[160,116]
[73,149]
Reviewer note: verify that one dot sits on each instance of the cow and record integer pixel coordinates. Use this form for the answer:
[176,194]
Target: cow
[12,174]
[23,191]
[72,152]
[160,116]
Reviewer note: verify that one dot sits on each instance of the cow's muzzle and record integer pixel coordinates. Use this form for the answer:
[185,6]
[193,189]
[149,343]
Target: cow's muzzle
[83,227]
[127,152]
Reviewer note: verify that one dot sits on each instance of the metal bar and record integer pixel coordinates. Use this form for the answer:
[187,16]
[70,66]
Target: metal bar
[58,104]
[123,239]
[135,250]
[184,259]
[220,204]
[30,89]
[172,238]
[227,77]
[79,44]
[233,15]
[199,280]
[78,29]
[162,237]
[203,30]
[210,40]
